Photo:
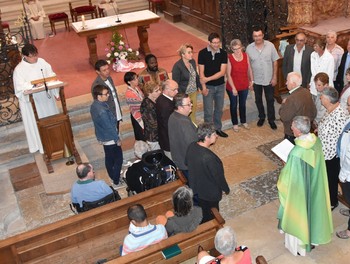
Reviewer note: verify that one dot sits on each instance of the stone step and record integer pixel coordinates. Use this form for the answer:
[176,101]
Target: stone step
[15,148]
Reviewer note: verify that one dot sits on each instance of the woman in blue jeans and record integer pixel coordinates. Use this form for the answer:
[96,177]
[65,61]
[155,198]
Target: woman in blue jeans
[239,79]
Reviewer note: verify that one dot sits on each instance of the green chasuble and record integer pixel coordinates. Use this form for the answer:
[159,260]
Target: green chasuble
[305,210]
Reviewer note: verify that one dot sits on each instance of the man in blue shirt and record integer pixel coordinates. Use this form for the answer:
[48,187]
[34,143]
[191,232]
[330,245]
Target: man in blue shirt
[86,188]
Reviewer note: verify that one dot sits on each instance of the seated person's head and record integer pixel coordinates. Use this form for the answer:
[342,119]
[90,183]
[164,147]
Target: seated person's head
[225,241]
[137,215]
[183,201]
[85,171]
[321,81]
[140,148]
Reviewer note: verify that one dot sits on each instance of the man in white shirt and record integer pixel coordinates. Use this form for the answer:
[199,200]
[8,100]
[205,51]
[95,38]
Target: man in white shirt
[104,78]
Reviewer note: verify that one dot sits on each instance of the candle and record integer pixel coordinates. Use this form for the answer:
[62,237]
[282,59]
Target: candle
[83,21]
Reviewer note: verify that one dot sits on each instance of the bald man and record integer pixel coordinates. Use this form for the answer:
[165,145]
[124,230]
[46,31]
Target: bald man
[298,103]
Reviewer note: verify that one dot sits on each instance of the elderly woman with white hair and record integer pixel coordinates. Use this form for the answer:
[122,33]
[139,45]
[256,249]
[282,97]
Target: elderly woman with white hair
[329,129]
[226,244]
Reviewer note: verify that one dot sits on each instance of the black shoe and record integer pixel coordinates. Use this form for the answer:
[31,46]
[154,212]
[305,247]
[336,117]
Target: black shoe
[272,125]
[260,122]
[334,206]
[221,133]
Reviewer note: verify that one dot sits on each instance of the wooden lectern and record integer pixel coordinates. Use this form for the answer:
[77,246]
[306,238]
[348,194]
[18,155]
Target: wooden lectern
[56,130]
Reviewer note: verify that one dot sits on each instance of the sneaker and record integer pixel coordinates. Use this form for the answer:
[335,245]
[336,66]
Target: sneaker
[221,134]
[118,186]
[272,125]
[246,126]
[260,122]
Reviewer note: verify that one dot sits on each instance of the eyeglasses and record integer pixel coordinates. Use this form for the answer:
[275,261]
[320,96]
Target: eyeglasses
[173,90]
[105,94]
[236,49]
[190,104]
[216,42]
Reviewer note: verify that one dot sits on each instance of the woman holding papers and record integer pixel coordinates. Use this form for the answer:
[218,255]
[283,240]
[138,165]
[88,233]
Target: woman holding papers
[303,193]
[29,69]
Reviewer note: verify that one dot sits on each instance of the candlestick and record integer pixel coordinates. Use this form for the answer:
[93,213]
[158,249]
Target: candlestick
[83,21]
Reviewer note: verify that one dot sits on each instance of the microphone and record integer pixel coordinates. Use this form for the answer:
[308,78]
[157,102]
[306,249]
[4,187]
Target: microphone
[46,88]
[116,11]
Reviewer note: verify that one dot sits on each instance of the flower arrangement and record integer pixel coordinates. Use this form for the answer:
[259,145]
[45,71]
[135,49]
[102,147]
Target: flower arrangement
[117,50]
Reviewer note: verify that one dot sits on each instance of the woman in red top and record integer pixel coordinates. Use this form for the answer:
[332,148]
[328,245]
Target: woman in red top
[239,79]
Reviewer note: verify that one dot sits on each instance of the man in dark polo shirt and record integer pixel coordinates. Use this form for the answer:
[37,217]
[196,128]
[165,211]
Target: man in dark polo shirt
[212,62]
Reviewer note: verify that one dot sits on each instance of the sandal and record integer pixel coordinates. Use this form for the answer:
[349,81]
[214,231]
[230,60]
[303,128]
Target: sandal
[344,211]
[246,126]
[235,128]
[342,234]
[200,248]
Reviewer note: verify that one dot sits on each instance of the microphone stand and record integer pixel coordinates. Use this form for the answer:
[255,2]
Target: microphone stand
[26,23]
[116,11]
[46,88]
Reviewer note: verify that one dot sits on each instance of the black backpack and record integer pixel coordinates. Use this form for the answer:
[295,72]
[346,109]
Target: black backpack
[155,173]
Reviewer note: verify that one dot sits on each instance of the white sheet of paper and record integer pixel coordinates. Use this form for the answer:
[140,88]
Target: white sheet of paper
[282,149]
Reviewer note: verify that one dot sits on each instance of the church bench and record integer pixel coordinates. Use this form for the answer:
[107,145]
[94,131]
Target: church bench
[188,243]
[86,237]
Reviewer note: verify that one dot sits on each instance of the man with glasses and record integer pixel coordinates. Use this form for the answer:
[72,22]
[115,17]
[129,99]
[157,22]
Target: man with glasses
[29,69]
[182,131]
[164,107]
[104,78]
[263,60]
[107,133]
[212,63]
[297,59]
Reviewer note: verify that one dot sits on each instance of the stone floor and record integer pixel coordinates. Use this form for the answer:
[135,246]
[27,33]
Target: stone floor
[250,208]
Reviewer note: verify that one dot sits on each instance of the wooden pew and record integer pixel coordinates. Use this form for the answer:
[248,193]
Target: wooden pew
[188,243]
[86,237]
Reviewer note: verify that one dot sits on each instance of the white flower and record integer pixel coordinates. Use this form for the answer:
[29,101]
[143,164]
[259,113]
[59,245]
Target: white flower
[121,43]
[109,62]
[122,57]
[108,55]
[116,54]
[130,49]
[137,53]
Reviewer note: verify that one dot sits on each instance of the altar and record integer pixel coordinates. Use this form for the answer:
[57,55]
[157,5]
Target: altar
[91,28]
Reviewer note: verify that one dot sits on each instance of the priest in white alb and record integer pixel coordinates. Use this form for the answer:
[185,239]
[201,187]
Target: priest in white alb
[29,69]
[36,15]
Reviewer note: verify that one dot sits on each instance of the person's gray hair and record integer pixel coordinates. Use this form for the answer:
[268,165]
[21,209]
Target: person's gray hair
[225,241]
[236,42]
[331,93]
[302,123]
[332,32]
[205,130]
[140,148]
[295,77]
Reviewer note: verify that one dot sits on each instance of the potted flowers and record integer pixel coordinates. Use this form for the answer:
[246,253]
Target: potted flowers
[120,53]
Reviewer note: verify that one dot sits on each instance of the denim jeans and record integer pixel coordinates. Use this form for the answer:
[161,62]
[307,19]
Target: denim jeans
[113,161]
[268,90]
[242,99]
[215,96]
